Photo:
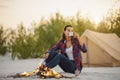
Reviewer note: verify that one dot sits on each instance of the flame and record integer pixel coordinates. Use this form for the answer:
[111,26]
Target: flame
[42,71]
[48,72]
[26,74]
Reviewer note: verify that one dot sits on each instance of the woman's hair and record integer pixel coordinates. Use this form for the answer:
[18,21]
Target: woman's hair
[63,35]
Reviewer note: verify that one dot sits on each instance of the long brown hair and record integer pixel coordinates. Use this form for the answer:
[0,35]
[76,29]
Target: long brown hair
[63,35]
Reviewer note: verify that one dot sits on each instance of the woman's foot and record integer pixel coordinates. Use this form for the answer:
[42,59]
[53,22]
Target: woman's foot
[77,72]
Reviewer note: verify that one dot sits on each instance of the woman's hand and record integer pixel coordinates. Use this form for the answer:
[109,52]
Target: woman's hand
[77,72]
[45,55]
[76,35]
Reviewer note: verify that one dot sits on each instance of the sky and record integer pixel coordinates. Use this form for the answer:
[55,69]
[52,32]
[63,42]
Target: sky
[13,12]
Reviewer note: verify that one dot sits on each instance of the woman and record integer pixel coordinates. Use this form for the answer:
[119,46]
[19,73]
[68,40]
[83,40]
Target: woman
[68,56]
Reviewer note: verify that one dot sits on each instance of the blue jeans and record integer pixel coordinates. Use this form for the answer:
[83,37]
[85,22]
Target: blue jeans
[61,60]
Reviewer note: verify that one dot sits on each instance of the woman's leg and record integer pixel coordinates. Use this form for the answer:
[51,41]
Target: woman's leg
[59,59]
[53,60]
[51,56]
[67,65]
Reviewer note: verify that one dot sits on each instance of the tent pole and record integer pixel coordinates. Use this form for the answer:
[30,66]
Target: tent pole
[87,52]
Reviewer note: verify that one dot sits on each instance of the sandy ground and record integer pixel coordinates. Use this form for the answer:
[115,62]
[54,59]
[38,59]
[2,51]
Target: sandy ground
[10,67]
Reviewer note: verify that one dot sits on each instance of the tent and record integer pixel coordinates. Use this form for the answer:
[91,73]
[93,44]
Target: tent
[103,49]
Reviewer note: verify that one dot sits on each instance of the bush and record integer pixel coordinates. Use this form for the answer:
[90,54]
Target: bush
[3,47]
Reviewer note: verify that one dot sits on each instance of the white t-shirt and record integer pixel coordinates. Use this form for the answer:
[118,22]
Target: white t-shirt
[69,52]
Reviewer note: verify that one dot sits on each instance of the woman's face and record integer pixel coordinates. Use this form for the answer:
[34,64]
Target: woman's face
[68,30]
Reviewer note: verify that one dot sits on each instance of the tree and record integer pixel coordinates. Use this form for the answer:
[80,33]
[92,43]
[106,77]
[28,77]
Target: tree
[113,22]
[102,27]
[3,47]
[82,24]
[49,32]
[24,45]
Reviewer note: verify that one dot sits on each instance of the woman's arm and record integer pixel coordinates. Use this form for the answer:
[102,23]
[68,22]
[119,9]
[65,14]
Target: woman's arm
[54,48]
[76,35]
[82,45]
[83,48]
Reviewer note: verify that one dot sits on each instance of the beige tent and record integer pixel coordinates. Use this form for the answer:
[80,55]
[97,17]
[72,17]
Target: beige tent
[103,49]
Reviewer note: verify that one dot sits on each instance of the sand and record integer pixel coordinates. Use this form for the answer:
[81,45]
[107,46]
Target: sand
[11,67]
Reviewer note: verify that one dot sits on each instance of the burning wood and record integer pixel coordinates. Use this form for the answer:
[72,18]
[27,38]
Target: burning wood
[42,72]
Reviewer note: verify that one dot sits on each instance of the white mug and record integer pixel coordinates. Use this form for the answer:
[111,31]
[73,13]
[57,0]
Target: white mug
[70,33]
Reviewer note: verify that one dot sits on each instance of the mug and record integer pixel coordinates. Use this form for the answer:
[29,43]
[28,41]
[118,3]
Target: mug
[70,33]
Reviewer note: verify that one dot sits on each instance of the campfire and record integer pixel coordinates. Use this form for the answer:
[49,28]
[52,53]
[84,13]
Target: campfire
[42,72]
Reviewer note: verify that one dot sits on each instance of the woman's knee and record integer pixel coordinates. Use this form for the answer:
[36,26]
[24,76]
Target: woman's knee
[53,54]
[58,55]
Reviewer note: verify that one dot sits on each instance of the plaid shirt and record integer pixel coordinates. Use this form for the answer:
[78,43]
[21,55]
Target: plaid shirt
[61,45]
